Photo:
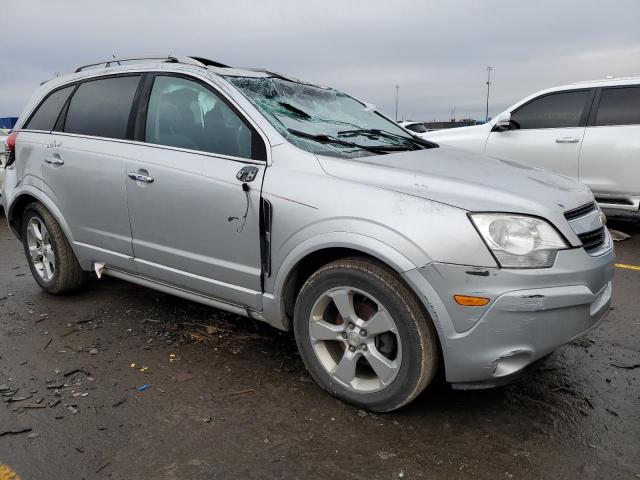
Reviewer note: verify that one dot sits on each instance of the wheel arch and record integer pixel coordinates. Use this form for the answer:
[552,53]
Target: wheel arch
[316,252]
[30,195]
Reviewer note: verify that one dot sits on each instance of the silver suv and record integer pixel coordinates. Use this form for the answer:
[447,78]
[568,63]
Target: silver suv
[301,206]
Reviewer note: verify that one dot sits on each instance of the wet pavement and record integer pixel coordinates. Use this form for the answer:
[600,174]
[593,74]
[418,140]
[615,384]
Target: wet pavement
[229,398]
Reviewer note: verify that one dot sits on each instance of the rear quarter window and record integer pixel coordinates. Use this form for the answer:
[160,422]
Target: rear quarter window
[45,116]
[101,108]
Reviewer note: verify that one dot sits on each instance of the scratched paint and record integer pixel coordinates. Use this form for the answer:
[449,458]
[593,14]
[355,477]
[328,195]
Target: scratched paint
[7,473]
[524,303]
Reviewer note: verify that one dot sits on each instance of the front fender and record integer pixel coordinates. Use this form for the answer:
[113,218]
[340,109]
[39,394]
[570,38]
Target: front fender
[273,307]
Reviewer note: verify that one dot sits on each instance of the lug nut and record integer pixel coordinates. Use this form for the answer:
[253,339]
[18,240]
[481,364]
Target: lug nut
[363,333]
[344,334]
[363,347]
[351,326]
[352,349]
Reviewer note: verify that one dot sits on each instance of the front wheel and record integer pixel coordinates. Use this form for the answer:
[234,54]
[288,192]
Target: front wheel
[363,335]
[51,259]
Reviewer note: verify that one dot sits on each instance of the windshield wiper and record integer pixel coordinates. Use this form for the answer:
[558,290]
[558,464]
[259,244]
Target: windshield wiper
[336,141]
[376,132]
[302,115]
[296,110]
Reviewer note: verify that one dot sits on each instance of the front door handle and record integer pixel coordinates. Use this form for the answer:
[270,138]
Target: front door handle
[54,160]
[567,140]
[139,177]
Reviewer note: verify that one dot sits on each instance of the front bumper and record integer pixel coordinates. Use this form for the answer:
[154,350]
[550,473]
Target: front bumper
[531,312]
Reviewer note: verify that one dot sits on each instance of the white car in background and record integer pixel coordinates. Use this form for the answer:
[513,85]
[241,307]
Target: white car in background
[3,141]
[589,131]
[416,128]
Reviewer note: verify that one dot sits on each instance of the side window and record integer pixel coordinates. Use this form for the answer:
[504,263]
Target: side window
[556,110]
[619,106]
[101,107]
[47,113]
[185,114]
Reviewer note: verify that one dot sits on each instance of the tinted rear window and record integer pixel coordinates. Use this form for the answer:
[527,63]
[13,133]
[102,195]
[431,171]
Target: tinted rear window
[101,107]
[557,110]
[47,113]
[619,106]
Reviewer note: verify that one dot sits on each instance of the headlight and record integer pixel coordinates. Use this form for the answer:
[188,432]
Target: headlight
[518,241]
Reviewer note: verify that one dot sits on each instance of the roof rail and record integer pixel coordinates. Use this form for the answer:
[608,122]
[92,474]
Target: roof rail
[209,63]
[609,78]
[199,61]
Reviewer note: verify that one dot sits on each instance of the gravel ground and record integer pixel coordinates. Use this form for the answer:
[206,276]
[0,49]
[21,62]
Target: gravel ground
[230,398]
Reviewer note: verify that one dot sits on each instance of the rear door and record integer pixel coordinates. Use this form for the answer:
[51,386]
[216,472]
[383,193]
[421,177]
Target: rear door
[610,157]
[193,224]
[548,132]
[83,168]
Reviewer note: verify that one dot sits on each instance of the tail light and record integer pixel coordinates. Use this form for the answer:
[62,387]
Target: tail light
[10,149]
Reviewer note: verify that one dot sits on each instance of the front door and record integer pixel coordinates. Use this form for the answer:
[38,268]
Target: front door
[547,132]
[193,224]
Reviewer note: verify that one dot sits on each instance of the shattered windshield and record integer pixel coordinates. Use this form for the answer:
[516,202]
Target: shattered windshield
[325,121]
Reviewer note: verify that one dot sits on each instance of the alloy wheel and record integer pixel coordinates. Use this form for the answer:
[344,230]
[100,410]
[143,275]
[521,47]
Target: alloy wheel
[41,249]
[355,339]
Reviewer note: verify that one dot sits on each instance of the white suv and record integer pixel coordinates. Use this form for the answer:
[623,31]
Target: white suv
[589,131]
[3,140]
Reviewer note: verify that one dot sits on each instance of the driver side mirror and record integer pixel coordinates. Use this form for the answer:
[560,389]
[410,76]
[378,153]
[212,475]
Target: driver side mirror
[503,123]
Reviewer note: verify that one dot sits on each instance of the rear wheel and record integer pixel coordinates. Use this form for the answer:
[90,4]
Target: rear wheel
[51,259]
[363,335]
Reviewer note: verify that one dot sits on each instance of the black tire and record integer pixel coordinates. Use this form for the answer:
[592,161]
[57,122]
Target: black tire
[417,334]
[67,274]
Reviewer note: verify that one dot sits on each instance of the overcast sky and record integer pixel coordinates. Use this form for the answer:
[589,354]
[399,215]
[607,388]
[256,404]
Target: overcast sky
[437,51]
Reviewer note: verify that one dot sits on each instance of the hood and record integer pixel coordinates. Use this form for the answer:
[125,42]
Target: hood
[471,181]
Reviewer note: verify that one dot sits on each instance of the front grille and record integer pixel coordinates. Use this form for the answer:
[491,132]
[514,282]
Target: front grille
[593,239]
[580,211]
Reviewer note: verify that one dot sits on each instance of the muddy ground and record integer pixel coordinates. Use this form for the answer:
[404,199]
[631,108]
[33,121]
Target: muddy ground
[230,398]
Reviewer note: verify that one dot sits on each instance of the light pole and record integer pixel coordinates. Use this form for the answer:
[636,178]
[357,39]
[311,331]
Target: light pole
[397,93]
[489,68]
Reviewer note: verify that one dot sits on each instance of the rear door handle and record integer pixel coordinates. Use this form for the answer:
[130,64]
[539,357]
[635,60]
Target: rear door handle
[54,160]
[139,177]
[567,140]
